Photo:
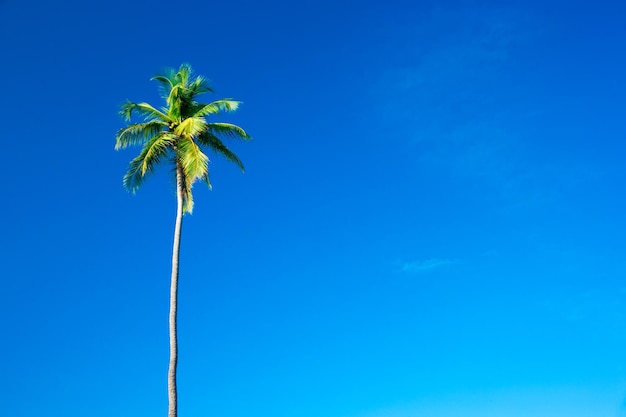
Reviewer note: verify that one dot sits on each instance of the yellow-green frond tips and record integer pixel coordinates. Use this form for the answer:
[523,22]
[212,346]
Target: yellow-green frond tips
[194,162]
[228,130]
[191,127]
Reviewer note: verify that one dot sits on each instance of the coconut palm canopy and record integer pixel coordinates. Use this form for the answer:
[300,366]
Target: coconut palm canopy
[178,132]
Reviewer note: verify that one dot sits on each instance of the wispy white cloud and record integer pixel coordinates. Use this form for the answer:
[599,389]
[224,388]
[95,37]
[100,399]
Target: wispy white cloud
[422,266]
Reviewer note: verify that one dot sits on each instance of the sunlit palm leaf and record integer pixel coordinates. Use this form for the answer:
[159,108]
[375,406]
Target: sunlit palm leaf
[137,134]
[173,101]
[191,127]
[165,84]
[224,105]
[183,74]
[195,163]
[144,109]
[227,130]
[157,149]
[147,160]
[200,86]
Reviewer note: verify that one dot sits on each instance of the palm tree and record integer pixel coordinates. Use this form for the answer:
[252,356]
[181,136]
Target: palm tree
[176,134]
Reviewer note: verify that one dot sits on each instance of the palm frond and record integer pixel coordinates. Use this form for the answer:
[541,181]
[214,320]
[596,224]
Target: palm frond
[191,127]
[177,101]
[217,146]
[227,130]
[207,180]
[149,157]
[144,109]
[127,110]
[194,162]
[137,134]
[151,113]
[200,86]
[165,83]
[223,105]
[157,149]
[172,102]
[183,75]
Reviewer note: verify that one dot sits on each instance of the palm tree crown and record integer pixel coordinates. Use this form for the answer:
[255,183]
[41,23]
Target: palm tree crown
[177,132]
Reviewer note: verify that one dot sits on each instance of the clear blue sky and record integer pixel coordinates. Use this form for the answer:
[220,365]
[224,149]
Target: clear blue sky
[431,224]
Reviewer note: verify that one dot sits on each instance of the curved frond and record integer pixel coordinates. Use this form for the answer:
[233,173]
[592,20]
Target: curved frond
[195,166]
[147,160]
[157,149]
[166,82]
[137,134]
[217,146]
[173,102]
[200,86]
[191,127]
[181,104]
[224,105]
[227,130]
[183,74]
[194,162]
[144,109]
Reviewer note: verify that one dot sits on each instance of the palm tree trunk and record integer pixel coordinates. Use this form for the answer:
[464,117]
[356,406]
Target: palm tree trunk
[171,376]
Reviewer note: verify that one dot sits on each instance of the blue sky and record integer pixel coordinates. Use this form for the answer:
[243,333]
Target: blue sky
[431,222]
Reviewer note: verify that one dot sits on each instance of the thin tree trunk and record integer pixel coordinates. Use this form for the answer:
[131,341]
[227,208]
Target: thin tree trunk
[171,376]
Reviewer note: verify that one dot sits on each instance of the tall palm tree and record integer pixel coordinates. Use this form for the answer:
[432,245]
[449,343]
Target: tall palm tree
[177,133]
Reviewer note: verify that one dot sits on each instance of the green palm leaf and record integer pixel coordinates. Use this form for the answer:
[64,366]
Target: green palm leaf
[228,130]
[145,163]
[137,134]
[194,162]
[218,106]
[191,127]
[144,109]
[166,84]
[200,86]
[217,146]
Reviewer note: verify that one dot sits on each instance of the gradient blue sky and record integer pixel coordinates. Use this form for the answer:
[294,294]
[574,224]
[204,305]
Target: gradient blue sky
[431,223]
